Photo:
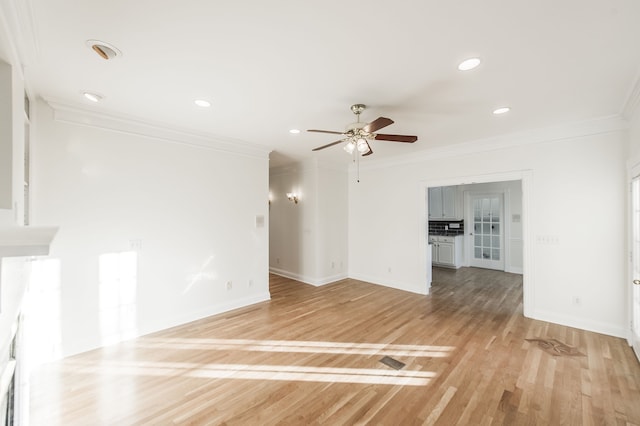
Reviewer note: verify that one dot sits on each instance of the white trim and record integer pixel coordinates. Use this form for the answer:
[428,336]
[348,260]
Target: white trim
[581,323]
[316,282]
[76,115]
[633,170]
[424,248]
[391,284]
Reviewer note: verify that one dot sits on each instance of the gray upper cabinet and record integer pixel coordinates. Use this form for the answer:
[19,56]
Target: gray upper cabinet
[442,203]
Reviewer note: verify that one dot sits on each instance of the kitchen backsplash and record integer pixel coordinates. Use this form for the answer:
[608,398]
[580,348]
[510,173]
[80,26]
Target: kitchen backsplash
[438,228]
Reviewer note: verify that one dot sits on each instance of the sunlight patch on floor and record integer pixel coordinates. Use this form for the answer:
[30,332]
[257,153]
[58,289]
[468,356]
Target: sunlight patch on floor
[296,346]
[255,372]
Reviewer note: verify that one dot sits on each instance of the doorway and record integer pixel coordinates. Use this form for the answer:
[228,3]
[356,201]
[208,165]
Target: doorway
[520,245]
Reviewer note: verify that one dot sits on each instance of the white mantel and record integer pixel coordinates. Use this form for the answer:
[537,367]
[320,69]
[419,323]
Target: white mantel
[26,240]
[17,241]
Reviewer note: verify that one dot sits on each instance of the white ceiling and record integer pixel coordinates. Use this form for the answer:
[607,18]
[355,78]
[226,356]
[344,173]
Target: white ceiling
[269,66]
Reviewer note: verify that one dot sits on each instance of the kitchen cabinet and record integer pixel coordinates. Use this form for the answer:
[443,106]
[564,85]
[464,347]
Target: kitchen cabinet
[442,203]
[446,250]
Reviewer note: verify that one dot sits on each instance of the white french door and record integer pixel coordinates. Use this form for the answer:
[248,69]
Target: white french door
[487,231]
[635,265]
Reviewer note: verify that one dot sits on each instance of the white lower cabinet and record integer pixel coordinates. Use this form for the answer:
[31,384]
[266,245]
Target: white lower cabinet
[446,251]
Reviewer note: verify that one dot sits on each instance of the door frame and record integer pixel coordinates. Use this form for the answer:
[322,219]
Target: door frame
[526,179]
[633,170]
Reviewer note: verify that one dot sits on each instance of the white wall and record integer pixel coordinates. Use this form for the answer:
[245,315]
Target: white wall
[309,239]
[577,192]
[189,211]
[333,223]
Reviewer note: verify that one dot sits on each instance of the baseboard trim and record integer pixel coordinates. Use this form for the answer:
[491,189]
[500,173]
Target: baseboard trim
[391,284]
[581,323]
[316,282]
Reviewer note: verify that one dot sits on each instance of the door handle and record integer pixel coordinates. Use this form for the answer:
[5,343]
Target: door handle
[636,282]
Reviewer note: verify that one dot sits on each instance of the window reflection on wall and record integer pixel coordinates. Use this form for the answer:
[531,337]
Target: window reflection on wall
[118,286]
[42,316]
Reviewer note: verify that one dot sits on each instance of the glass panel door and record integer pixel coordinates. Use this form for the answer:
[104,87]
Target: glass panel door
[487,232]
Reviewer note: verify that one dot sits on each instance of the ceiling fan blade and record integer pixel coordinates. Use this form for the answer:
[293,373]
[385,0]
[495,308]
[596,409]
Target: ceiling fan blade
[396,138]
[368,152]
[328,145]
[326,131]
[376,124]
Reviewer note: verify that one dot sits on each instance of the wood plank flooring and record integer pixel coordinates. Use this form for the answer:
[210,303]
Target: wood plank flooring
[312,356]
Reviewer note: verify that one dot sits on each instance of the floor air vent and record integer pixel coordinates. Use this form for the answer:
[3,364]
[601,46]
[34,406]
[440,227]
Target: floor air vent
[393,363]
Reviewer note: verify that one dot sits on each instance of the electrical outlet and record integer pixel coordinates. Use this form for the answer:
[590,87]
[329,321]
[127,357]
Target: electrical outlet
[250,283]
[229,285]
[548,239]
[575,300]
[135,245]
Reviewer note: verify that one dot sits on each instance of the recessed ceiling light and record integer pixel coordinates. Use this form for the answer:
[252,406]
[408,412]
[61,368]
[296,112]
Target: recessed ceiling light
[501,110]
[93,97]
[469,64]
[104,50]
[202,103]
[294,131]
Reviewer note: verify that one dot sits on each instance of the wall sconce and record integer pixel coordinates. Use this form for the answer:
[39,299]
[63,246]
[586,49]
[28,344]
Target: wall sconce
[292,196]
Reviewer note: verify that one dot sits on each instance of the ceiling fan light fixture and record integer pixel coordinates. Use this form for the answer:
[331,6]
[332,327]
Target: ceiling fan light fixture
[362,145]
[358,133]
[350,147]
[469,64]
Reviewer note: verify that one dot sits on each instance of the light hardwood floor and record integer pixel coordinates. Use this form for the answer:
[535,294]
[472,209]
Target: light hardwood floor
[311,356]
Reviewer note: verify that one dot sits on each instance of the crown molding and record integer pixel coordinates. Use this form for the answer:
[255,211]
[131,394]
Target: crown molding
[633,100]
[596,126]
[73,114]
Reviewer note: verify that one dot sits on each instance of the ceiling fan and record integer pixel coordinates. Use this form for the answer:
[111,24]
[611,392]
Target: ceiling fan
[358,134]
